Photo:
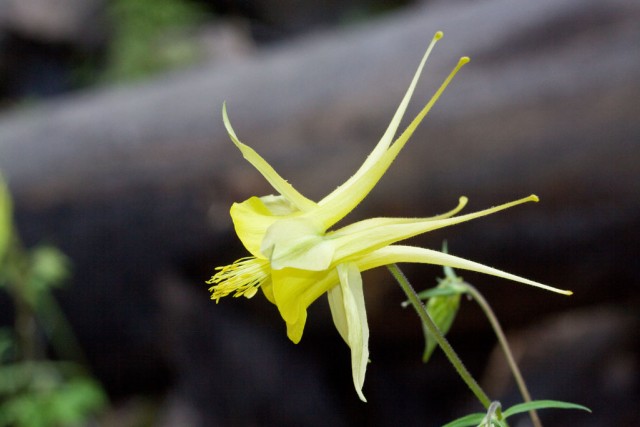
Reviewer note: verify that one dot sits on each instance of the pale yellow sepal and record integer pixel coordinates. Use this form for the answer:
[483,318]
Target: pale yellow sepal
[367,235]
[276,181]
[346,197]
[350,316]
[396,254]
[382,146]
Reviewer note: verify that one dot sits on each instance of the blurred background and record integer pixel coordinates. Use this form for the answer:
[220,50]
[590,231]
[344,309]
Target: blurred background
[112,146]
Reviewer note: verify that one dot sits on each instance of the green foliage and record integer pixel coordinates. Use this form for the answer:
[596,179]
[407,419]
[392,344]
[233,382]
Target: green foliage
[35,391]
[37,271]
[147,37]
[542,404]
[442,308]
[49,268]
[479,419]
[53,401]
[442,305]
[6,347]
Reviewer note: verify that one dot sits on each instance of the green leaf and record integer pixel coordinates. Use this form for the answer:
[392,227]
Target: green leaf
[476,419]
[148,36]
[443,304]
[6,345]
[75,401]
[542,404]
[49,267]
[470,420]
[42,394]
[440,291]
[443,310]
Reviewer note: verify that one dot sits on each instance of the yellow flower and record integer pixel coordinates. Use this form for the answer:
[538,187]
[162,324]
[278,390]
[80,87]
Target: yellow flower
[295,258]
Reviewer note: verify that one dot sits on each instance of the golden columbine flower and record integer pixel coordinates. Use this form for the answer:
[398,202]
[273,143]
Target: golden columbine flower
[295,258]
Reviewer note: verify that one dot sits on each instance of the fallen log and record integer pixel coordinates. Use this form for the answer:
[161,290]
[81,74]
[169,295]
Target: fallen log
[135,181]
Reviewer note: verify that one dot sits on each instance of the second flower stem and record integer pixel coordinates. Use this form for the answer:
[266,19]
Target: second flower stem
[502,339]
[440,339]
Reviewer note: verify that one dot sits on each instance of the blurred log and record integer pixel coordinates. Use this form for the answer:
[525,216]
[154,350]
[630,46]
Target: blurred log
[61,21]
[548,105]
[137,180]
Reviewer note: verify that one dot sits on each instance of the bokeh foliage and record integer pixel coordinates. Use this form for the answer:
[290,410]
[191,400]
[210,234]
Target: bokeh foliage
[35,390]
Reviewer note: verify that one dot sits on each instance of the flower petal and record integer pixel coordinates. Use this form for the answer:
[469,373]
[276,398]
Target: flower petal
[352,308]
[399,254]
[267,290]
[294,290]
[251,220]
[276,181]
[297,243]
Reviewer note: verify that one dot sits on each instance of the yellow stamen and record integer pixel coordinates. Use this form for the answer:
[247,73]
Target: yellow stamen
[242,278]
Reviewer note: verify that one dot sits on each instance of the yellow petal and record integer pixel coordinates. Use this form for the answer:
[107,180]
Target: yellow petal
[352,308]
[279,183]
[251,219]
[399,254]
[370,234]
[297,243]
[294,290]
[267,289]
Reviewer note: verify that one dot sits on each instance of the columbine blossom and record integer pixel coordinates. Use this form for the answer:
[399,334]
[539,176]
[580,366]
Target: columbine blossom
[296,257]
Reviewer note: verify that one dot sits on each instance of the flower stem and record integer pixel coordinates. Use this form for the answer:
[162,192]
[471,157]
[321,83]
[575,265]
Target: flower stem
[502,339]
[440,339]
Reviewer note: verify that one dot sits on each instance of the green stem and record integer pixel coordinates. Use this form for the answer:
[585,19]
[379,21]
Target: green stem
[25,321]
[440,339]
[502,339]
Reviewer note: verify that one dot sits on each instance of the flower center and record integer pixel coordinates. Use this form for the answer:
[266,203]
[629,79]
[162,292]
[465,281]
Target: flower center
[242,278]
